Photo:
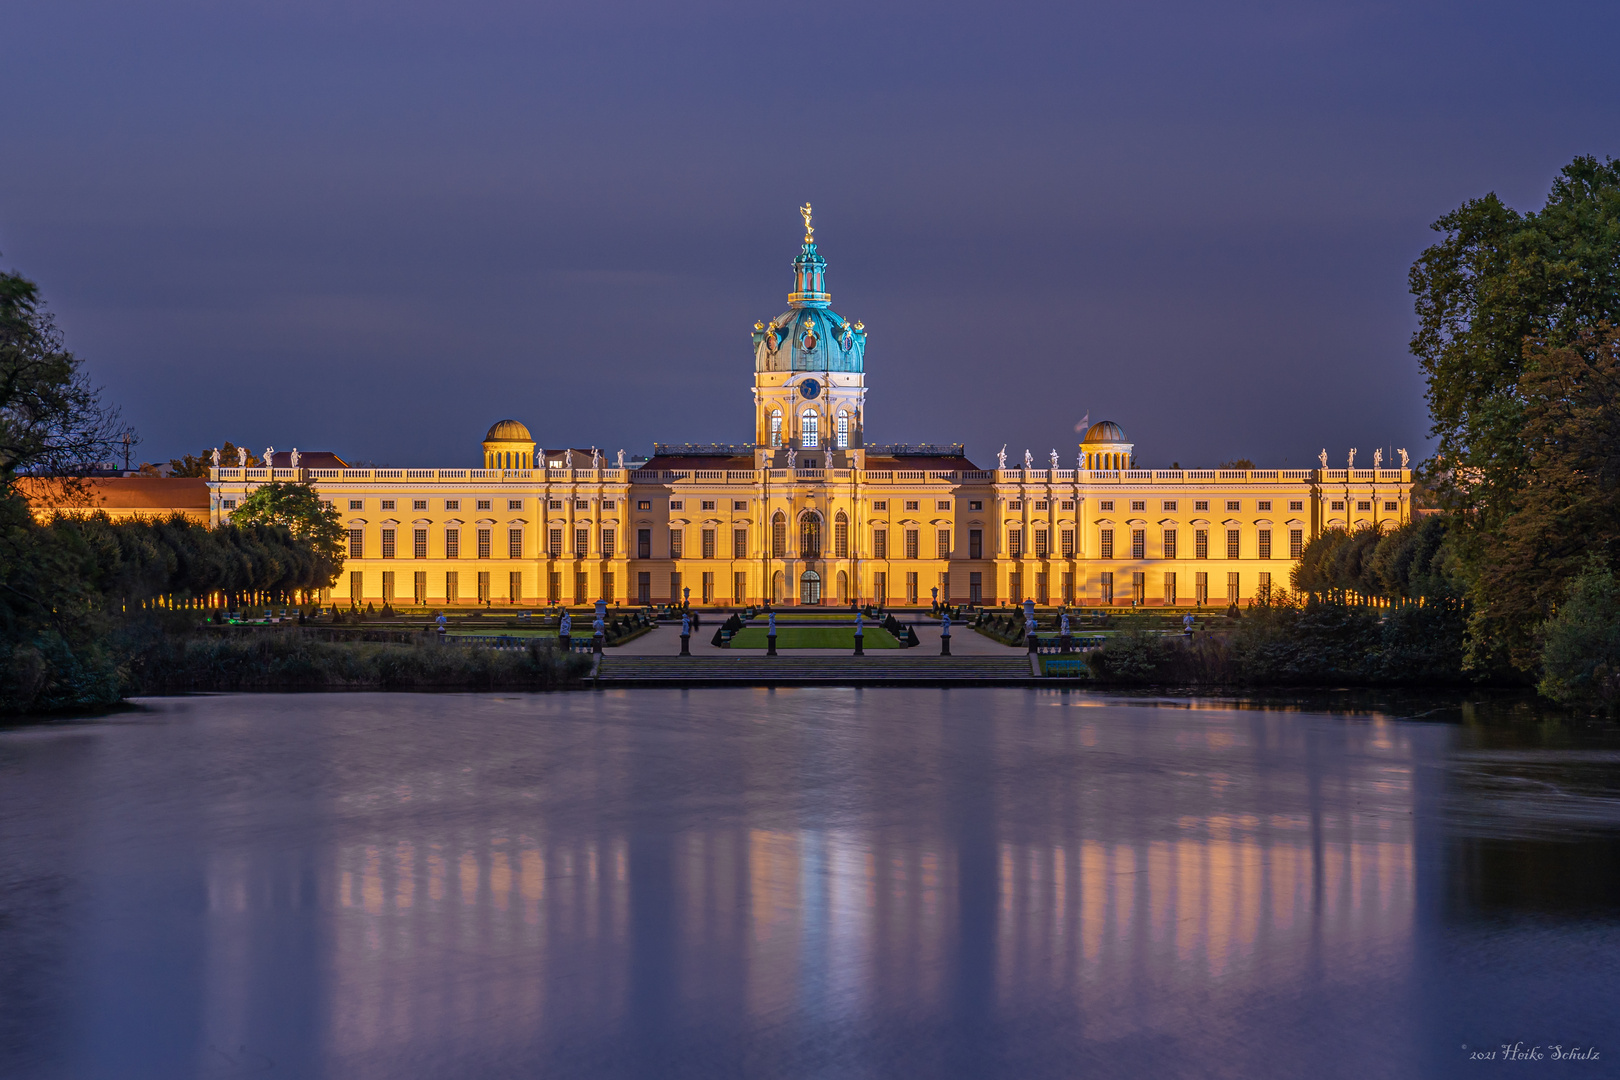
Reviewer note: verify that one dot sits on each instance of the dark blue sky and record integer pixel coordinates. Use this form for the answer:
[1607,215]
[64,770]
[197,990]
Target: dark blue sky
[375,227]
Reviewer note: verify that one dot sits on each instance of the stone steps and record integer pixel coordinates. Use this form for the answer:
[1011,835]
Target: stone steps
[830,669]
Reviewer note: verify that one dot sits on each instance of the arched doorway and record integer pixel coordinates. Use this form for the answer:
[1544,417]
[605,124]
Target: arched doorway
[810,588]
[843,587]
[776,587]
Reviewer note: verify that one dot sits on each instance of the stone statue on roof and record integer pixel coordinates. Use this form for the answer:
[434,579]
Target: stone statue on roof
[241,457]
[790,457]
[295,457]
[269,457]
[1405,461]
[1378,457]
[1322,457]
[568,458]
[1029,460]
[1001,457]
[1352,457]
[621,458]
[1054,459]
[214,457]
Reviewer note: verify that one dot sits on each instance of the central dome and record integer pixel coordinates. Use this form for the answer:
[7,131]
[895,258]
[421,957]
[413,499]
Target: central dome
[810,335]
[1103,431]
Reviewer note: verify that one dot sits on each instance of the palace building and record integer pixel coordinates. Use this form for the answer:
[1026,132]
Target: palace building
[812,512]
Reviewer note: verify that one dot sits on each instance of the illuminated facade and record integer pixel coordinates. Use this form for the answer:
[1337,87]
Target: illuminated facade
[812,513]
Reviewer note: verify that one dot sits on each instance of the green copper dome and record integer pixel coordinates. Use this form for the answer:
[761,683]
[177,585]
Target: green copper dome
[810,335]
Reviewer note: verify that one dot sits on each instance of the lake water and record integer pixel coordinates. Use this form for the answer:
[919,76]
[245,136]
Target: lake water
[804,883]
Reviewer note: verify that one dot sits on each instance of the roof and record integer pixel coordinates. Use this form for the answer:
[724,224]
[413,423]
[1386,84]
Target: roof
[1104,431]
[119,493]
[675,461]
[307,459]
[952,463]
[508,431]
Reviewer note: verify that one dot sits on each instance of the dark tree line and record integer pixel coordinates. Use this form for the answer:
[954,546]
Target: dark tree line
[1408,565]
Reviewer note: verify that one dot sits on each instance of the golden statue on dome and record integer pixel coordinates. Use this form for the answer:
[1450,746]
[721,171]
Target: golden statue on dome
[809,233]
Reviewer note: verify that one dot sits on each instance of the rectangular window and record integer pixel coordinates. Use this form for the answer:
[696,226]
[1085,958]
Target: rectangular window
[484,543]
[388,586]
[1233,504]
[357,543]
[911,504]
[1105,549]
[607,504]
[1392,506]
[419,543]
[419,504]
[1170,590]
[1200,504]
[388,504]
[388,543]
[1138,588]
[975,504]
[1232,587]
[677,544]
[911,543]
[514,586]
[881,504]
[1201,588]
[975,587]
[1364,505]
[675,596]
[582,542]
[1106,504]
[1016,504]
[880,588]
[739,588]
[1169,543]
[1200,543]
[452,504]
[579,504]
[1067,504]
[942,544]
[554,586]
[643,587]
[554,542]
[1040,544]
[514,543]
[1232,543]
[644,544]
[517,504]
[452,588]
[942,504]
[1262,588]
[677,504]
[841,538]
[1169,504]
[1338,504]
[1263,543]
[1105,587]
[1263,504]
[739,504]
[420,589]
[880,543]
[1015,587]
[609,544]
[452,543]
[1138,504]
[229,504]
[1296,543]
[483,587]
[1138,543]
[644,504]
[1068,587]
[1040,589]
[708,544]
[739,543]
[1066,538]
[708,504]
[357,504]
[779,536]
[1015,543]
[975,543]
[1040,504]
[357,594]
[582,587]
[708,587]
[911,587]
[1297,504]
[483,504]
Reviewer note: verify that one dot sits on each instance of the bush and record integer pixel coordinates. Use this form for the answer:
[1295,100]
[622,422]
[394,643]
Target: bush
[1580,653]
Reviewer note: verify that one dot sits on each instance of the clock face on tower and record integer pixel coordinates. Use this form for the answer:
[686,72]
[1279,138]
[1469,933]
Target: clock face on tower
[809,388]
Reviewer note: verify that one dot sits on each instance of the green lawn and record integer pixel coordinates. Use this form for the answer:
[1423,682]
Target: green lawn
[464,630]
[815,637]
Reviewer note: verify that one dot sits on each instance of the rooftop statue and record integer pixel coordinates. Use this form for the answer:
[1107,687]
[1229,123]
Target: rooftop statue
[1405,461]
[214,457]
[269,456]
[809,232]
[295,457]
[1054,459]
[1001,457]
[1378,457]
[1352,457]
[241,457]
[1322,457]
[621,458]
[1029,460]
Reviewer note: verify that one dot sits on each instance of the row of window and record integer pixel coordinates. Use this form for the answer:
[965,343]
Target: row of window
[810,429]
[1138,586]
[1168,545]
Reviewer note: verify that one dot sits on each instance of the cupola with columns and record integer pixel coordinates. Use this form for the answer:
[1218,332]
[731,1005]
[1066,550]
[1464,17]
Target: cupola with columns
[1104,447]
[809,374]
[508,446]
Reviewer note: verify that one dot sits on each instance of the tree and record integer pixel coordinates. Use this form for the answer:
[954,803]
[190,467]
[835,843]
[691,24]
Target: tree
[186,465]
[297,506]
[52,420]
[1236,463]
[1580,657]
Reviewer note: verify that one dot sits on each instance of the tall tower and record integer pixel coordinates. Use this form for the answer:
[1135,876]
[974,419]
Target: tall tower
[809,375]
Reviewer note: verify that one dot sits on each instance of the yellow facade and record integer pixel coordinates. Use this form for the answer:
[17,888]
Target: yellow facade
[810,513]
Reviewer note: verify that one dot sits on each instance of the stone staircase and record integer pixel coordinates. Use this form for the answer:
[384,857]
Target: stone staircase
[887,670]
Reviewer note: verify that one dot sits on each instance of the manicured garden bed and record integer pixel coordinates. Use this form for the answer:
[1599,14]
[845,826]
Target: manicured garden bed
[815,637]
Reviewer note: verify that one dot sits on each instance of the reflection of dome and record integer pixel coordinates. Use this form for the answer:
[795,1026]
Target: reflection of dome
[508,431]
[1103,431]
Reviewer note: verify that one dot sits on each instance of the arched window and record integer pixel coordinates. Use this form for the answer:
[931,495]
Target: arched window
[776,427]
[843,430]
[808,435]
[810,535]
[841,538]
[779,535]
